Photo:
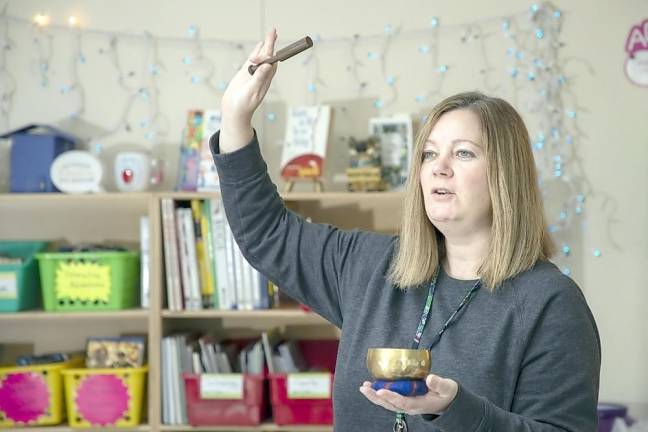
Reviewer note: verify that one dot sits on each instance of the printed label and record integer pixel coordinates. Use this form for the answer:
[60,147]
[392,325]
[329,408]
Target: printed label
[8,286]
[221,386]
[309,386]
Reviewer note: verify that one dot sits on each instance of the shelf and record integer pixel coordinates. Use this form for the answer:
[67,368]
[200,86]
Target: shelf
[133,314]
[337,196]
[62,428]
[12,198]
[188,195]
[261,428]
[292,315]
[295,196]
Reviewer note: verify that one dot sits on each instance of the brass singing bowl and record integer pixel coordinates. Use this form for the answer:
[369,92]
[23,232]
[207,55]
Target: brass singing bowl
[395,363]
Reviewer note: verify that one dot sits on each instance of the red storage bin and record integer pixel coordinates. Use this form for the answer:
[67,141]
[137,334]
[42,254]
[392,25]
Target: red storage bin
[249,411]
[319,354]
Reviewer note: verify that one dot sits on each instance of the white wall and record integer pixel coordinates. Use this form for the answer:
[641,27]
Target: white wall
[612,112]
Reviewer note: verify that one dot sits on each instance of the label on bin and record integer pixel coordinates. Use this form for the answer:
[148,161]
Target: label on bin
[309,386]
[84,281]
[8,290]
[221,386]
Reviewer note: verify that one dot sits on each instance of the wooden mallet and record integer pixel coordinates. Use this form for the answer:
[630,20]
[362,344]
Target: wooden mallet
[285,53]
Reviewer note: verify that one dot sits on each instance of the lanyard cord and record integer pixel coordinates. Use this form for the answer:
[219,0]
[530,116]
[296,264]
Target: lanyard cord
[451,320]
[400,424]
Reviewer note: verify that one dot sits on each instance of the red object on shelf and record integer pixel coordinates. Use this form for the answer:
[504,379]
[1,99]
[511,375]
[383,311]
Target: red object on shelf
[319,354]
[304,307]
[249,411]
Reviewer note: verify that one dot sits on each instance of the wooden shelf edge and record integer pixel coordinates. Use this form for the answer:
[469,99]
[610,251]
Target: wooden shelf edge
[65,428]
[187,195]
[74,315]
[264,427]
[58,196]
[252,314]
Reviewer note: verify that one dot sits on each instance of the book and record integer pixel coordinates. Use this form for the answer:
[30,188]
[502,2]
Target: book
[115,352]
[11,352]
[269,340]
[307,134]
[145,281]
[190,148]
[188,260]
[202,255]
[27,360]
[218,224]
[291,357]
[208,179]
[171,255]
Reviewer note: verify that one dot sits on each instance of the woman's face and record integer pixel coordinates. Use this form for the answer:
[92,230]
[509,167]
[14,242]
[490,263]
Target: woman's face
[453,174]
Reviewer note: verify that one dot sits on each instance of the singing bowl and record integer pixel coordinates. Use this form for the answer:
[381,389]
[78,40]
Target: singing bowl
[395,363]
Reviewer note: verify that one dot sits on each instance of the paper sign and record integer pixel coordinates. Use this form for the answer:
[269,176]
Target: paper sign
[8,289]
[83,281]
[636,65]
[309,386]
[77,171]
[221,386]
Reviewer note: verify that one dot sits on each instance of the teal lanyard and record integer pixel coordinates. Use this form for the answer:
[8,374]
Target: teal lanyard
[400,425]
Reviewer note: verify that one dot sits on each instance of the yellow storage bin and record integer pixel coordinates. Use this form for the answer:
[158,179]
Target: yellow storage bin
[33,395]
[105,397]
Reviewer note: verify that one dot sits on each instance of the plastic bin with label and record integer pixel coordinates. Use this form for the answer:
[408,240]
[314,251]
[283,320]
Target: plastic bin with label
[86,281]
[246,406]
[105,397]
[19,283]
[33,395]
[312,406]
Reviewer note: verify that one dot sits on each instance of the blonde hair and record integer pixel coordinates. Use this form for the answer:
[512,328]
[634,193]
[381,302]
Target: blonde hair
[519,237]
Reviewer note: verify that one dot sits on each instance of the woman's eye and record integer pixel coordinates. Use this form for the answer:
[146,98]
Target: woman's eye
[465,154]
[427,155]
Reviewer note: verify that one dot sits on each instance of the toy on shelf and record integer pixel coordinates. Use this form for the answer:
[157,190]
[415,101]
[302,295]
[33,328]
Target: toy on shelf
[365,166]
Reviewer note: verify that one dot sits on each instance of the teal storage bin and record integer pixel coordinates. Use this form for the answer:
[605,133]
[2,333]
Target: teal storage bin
[20,283]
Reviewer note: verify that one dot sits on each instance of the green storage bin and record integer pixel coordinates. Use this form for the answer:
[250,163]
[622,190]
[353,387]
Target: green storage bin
[87,281]
[19,283]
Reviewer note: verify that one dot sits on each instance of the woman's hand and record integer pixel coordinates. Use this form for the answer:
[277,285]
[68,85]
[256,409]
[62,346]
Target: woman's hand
[441,393]
[245,92]
[243,96]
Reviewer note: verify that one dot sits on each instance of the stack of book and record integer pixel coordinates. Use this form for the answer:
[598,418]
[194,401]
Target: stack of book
[203,264]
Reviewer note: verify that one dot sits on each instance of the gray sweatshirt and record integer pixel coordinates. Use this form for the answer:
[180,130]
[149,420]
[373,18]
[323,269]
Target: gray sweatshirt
[526,357]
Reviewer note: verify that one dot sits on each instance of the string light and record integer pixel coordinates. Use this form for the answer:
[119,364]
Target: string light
[41,20]
[531,69]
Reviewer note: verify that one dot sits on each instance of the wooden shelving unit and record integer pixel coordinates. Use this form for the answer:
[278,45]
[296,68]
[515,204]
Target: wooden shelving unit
[114,217]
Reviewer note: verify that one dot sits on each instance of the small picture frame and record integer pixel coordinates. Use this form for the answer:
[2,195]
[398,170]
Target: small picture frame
[396,146]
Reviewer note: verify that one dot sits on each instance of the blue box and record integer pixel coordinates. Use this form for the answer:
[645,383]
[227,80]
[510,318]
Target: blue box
[33,149]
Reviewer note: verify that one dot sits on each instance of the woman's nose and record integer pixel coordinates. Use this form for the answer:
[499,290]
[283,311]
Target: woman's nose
[442,167]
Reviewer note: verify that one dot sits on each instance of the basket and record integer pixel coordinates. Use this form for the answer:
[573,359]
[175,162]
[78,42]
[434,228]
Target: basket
[19,283]
[33,395]
[248,410]
[104,397]
[86,281]
[315,403]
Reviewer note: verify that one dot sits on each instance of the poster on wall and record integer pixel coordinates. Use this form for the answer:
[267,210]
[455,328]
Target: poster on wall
[636,64]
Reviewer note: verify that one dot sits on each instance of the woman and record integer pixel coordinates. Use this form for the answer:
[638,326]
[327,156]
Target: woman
[513,343]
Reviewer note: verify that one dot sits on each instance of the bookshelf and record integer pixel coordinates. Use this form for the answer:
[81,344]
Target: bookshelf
[114,217]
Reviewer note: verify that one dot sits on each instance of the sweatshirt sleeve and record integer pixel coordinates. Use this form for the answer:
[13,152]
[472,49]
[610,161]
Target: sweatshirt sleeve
[304,259]
[558,380]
